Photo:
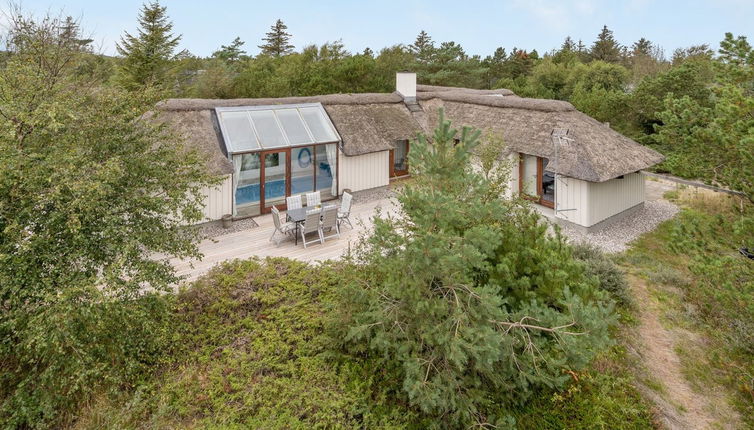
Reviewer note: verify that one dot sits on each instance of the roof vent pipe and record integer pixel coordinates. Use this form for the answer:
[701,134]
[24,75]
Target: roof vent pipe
[405,85]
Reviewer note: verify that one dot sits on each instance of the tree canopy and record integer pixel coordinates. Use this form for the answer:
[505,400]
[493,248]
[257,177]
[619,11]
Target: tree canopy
[458,299]
[147,56]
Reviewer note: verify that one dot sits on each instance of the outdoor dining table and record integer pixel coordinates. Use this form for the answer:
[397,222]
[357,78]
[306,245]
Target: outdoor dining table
[297,216]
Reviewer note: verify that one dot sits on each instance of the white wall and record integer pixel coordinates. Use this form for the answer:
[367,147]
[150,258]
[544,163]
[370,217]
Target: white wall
[614,196]
[361,172]
[405,83]
[218,200]
[572,200]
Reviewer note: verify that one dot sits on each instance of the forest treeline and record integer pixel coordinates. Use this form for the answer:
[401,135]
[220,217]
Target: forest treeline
[688,104]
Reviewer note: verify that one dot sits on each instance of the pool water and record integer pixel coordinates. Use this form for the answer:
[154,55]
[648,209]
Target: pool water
[276,189]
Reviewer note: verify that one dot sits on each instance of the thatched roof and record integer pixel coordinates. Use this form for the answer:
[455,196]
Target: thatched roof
[201,132]
[366,122]
[437,89]
[596,153]
[372,127]
[374,122]
[330,99]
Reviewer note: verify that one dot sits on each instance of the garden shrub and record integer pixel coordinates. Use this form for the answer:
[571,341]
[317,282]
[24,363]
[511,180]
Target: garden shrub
[611,278]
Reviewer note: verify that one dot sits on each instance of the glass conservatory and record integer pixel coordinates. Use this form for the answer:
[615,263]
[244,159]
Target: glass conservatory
[279,151]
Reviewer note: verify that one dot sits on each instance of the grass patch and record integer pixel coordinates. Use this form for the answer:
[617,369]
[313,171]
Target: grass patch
[705,284]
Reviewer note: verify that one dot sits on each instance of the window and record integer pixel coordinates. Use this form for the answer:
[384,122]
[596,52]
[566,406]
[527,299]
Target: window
[399,159]
[271,160]
[535,182]
[318,124]
[269,133]
[238,133]
[250,128]
[293,126]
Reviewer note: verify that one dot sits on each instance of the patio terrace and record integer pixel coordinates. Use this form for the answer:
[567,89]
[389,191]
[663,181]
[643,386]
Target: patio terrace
[255,242]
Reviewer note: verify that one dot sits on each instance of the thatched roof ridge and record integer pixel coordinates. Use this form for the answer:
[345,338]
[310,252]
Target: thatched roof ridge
[438,88]
[513,102]
[330,99]
[372,127]
[596,152]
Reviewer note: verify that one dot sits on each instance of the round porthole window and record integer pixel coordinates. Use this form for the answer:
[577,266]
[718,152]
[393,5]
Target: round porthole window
[304,158]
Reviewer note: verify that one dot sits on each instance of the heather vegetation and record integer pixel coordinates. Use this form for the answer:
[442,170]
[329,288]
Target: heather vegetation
[465,311]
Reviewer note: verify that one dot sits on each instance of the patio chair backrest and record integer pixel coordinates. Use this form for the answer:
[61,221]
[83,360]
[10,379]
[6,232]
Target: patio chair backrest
[345,204]
[294,202]
[329,216]
[313,199]
[276,217]
[311,222]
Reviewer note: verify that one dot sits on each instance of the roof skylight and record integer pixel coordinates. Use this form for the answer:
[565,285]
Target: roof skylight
[251,128]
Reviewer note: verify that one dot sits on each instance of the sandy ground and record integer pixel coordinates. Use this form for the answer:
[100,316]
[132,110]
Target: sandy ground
[678,405]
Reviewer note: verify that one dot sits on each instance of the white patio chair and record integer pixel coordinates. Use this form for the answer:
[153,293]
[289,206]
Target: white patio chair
[311,225]
[313,199]
[329,223]
[283,228]
[344,213]
[294,202]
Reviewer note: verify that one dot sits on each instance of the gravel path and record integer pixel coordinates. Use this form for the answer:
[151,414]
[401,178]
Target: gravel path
[616,237]
[213,229]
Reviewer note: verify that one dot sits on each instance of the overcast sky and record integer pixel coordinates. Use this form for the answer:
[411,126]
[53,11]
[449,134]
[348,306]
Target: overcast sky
[479,26]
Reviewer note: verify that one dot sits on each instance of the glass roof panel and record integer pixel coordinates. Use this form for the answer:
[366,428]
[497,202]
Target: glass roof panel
[293,126]
[268,130]
[251,128]
[318,124]
[238,133]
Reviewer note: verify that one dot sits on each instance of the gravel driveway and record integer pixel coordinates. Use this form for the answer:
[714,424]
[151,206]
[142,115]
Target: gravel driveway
[617,236]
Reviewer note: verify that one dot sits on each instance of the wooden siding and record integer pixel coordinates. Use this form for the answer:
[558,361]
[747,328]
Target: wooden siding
[572,200]
[614,196]
[361,172]
[218,200]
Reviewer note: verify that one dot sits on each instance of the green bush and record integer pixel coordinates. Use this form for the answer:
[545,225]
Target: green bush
[251,351]
[78,346]
[610,277]
[465,299]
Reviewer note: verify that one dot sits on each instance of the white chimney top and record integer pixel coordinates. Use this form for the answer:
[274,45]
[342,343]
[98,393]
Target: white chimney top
[405,84]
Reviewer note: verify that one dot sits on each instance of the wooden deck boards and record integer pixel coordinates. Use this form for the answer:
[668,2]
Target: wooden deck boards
[255,242]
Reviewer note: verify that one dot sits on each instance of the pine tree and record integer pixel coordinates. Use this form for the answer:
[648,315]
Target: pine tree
[277,41]
[642,47]
[71,31]
[147,56]
[568,44]
[423,47]
[230,53]
[606,48]
[476,292]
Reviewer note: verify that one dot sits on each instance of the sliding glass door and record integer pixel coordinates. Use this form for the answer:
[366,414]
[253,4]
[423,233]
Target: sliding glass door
[275,179]
[302,170]
[247,189]
[264,179]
